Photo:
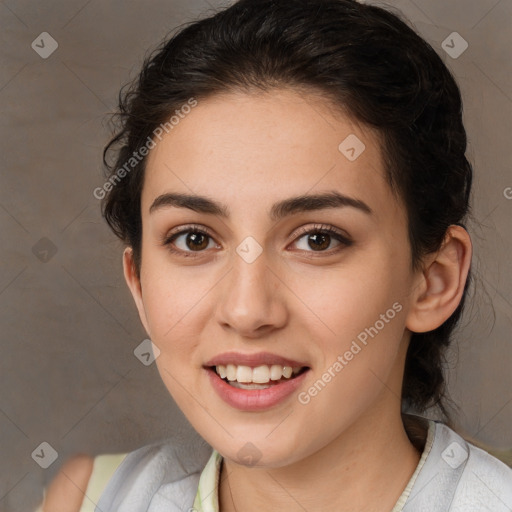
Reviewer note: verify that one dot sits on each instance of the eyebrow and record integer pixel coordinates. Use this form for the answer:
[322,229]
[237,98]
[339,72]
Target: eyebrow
[281,209]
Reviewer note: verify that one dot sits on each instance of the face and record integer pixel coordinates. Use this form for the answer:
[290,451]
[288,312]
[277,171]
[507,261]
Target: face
[271,248]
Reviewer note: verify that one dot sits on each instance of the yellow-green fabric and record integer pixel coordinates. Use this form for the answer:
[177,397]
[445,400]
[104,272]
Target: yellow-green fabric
[207,497]
[103,468]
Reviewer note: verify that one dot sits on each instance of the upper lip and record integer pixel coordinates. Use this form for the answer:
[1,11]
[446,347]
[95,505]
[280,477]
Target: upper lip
[257,359]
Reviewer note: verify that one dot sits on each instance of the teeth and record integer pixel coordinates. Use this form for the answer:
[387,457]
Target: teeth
[243,374]
[258,375]
[230,372]
[276,372]
[221,370]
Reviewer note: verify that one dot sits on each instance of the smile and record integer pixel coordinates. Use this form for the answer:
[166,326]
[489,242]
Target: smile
[254,382]
[259,377]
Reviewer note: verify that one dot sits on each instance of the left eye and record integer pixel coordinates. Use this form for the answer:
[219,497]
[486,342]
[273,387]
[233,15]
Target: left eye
[320,241]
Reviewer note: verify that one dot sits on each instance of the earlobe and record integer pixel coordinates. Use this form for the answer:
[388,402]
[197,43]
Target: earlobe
[133,281]
[442,282]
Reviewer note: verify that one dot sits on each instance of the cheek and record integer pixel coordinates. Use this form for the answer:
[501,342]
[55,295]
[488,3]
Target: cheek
[358,323]
[172,294]
[360,360]
[351,298]
[177,304]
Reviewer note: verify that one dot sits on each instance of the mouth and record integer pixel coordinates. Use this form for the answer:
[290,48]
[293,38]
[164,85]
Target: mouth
[258,377]
[255,382]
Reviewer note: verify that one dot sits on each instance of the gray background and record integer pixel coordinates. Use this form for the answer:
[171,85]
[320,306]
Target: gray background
[68,375]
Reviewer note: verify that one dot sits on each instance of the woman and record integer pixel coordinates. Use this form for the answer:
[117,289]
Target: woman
[291,185]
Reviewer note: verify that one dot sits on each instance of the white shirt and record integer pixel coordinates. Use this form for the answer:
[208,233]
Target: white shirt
[452,476]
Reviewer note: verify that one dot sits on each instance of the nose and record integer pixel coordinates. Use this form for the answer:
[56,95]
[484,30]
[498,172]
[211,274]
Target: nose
[251,302]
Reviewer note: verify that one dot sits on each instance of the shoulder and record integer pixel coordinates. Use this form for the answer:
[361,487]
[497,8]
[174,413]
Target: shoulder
[156,477]
[485,480]
[66,491]
[461,477]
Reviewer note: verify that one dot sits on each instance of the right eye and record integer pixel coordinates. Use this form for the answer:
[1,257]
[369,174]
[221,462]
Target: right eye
[189,241]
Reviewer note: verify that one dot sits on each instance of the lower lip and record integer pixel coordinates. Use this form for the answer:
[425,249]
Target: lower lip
[254,399]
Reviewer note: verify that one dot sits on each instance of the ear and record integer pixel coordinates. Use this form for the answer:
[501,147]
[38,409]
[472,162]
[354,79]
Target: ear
[441,282]
[133,282]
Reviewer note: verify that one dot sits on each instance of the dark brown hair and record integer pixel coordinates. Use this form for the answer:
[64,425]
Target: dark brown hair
[362,58]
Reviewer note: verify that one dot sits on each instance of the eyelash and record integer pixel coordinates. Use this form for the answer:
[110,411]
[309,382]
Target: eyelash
[315,229]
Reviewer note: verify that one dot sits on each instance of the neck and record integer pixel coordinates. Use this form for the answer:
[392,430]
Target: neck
[366,468]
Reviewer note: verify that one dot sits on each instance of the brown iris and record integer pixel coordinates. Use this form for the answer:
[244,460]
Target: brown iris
[197,241]
[321,239]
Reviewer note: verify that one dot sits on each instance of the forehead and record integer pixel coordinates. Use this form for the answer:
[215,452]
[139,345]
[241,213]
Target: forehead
[262,147]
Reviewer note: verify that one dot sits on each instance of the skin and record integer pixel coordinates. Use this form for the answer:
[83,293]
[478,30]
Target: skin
[66,492]
[346,449]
